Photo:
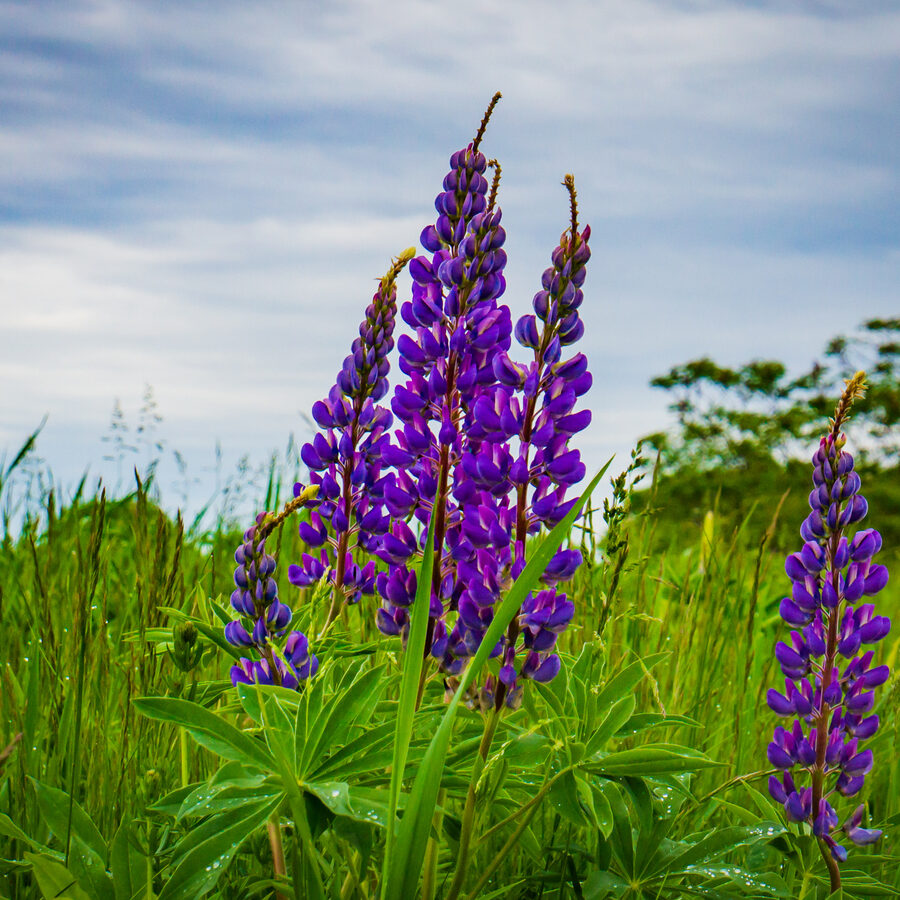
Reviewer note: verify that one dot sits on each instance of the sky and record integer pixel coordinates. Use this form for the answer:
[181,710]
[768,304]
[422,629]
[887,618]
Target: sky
[198,197]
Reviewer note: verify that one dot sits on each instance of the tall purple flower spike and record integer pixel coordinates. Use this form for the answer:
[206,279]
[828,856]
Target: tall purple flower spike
[458,330]
[484,448]
[283,657]
[829,677]
[345,459]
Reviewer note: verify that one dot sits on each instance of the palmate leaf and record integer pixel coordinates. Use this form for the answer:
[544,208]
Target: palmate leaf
[251,694]
[201,867]
[170,803]
[624,682]
[620,713]
[368,752]
[210,800]
[279,735]
[211,826]
[402,876]
[9,829]
[208,730]
[350,705]
[714,844]
[645,721]
[568,799]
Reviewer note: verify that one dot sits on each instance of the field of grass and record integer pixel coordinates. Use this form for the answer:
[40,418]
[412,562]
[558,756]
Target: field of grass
[678,612]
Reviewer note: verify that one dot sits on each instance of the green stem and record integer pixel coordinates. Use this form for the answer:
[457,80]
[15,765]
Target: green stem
[309,862]
[296,868]
[504,851]
[834,873]
[185,759]
[804,885]
[273,828]
[429,878]
[468,820]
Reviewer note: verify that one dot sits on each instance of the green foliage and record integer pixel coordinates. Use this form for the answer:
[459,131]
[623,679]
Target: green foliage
[638,772]
[735,417]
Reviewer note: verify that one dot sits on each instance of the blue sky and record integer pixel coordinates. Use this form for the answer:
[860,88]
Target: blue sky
[199,196]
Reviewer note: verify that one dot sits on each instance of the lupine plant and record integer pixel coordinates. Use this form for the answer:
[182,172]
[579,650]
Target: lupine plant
[484,448]
[828,684]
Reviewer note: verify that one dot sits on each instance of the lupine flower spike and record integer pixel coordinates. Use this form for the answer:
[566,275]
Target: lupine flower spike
[345,458]
[459,328]
[283,657]
[829,677]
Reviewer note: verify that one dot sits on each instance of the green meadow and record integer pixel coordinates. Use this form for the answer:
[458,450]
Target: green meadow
[666,667]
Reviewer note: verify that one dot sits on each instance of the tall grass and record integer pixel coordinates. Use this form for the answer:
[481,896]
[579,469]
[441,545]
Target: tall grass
[84,589]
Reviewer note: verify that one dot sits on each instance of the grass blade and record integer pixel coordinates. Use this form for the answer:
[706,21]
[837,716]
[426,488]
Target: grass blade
[413,660]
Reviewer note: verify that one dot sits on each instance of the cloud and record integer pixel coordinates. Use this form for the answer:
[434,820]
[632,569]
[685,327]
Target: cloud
[200,199]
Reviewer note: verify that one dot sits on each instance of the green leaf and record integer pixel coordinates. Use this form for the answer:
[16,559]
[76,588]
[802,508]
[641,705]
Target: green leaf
[641,800]
[214,799]
[249,695]
[721,841]
[55,881]
[127,861]
[371,751]
[621,839]
[279,734]
[602,810]
[171,802]
[625,681]
[208,730]
[87,851]
[528,749]
[644,721]
[565,797]
[615,719]
[11,830]
[368,805]
[773,885]
[601,885]
[649,760]
[200,868]
[402,875]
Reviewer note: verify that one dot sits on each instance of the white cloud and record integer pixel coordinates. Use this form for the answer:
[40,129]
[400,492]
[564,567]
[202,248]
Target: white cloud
[200,199]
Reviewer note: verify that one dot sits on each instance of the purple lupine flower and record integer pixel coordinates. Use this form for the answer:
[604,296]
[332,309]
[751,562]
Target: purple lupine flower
[828,685]
[511,493]
[483,449]
[458,329]
[345,459]
[263,619]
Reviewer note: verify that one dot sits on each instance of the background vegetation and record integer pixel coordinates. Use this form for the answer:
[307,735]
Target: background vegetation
[677,606]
